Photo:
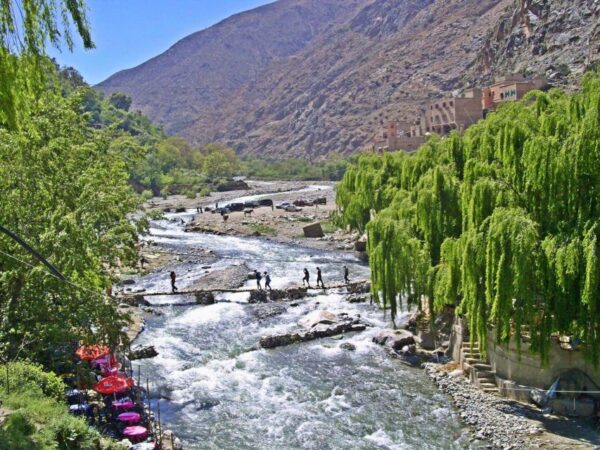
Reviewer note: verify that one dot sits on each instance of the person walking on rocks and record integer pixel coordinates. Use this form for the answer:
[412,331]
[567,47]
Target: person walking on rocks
[346,273]
[267,281]
[258,278]
[173,279]
[320,278]
[306,278]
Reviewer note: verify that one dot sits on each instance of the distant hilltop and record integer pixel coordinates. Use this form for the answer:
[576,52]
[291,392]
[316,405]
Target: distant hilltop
[304,78]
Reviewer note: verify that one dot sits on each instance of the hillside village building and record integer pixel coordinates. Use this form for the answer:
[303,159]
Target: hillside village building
[453,113]
[459,112]
[509,88]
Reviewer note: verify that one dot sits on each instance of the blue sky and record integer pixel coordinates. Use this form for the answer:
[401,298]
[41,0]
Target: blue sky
[129,32]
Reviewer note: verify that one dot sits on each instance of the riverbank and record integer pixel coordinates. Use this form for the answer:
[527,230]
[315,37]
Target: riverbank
[268,223]
[507,424]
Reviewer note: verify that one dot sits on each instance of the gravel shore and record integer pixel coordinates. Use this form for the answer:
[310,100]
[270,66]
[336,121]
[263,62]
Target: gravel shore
[501,423]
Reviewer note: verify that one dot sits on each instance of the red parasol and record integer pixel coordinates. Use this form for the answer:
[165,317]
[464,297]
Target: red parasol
[113,384]
[90,352]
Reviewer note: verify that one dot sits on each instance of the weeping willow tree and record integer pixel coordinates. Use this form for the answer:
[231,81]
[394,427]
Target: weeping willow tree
[26,27]
[502,222]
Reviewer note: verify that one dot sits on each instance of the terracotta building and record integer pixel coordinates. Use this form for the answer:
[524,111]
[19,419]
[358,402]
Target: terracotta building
[396,135]
[452,113]
[509,88]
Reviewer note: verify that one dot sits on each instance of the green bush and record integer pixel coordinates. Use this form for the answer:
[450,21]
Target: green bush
[146,194]
[190,193]
[39,423]
[27,377]
[205,191]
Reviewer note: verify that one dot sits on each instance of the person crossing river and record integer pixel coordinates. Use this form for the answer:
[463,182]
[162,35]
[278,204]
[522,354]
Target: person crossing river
[320,278]
[267,281]
[258,278]
[306,278]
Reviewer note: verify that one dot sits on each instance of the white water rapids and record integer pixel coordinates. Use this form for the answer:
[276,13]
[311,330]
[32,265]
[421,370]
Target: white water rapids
[224,394]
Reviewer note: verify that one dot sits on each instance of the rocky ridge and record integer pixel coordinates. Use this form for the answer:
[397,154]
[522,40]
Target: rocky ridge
[305,78]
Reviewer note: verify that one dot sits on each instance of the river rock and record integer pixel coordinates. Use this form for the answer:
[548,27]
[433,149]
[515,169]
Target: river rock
[316,325]
[170,441]
[348,346]
[135,300]
[394,339]
[180,210]
[361,288]
[279,340]
[318,317]
[257,296]
[357,298]
[143,352]
[127,282]
[264,311]
[290,293]
[426,340]
[204,298]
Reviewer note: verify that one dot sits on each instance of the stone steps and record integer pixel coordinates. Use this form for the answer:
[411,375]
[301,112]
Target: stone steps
[482,373]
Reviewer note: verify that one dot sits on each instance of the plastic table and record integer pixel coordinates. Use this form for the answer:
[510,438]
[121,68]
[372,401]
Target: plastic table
[130,418]
[135,433]
[123,405]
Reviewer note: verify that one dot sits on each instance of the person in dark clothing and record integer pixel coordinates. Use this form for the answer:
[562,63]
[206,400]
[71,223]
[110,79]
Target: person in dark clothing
[306,278]
[267,281]
[346,273]
[320,278]
[173,279]
[258,278]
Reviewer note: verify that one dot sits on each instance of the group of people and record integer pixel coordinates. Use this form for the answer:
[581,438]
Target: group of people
[305,279]
[259,278]
[267,278]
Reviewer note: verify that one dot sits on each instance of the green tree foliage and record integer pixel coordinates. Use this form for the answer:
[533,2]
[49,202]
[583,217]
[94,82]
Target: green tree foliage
[26,26]
[120,101]
[36,417]
[502,221]
[65,191]
[332,168]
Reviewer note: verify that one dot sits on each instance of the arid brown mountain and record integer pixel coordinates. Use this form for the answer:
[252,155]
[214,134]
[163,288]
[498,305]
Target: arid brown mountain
[192,77]
[305,78]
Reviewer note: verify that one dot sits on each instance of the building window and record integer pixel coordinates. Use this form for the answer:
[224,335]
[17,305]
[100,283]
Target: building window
[444,104]
[451,103]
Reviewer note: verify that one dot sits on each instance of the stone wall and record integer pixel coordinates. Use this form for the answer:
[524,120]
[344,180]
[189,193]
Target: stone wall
[527,369]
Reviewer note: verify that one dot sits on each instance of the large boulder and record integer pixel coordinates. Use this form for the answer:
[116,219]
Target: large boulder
[395,339]
[205,298]
[258,296]
[142,353]
[315,325]
[319,317]
[359,288]
[136,300]
[314,230]
[426,339]
[279,340]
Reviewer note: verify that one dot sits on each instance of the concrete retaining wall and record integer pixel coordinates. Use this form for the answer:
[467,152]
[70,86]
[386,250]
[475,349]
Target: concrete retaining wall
[527,369]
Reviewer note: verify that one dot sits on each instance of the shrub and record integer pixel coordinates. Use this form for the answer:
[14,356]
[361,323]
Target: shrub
[22,376]
[147,195]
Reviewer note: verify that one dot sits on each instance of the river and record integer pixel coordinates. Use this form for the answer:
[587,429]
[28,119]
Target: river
[224,394]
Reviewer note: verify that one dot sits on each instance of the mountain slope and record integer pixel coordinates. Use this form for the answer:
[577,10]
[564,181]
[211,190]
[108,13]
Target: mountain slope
[190,78]
[334,71]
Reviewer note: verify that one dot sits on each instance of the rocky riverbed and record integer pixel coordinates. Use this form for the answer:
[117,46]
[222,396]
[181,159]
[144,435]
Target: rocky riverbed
[505,424]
